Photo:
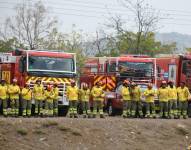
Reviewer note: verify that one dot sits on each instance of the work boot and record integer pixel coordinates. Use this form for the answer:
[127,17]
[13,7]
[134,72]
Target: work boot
[124,116]
[102,116]
[71,115]
[75,116]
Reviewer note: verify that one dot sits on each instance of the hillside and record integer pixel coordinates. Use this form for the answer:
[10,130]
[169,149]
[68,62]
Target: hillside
[183,40]
[109,133]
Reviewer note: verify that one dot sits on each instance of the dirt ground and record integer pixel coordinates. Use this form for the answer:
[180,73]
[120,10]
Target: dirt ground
[103,134]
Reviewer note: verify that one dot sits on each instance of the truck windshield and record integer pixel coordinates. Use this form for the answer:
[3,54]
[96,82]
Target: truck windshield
[137,69]
[42,63]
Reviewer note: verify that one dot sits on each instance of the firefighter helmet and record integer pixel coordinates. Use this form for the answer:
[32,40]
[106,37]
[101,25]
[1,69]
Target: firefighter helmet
[14,80]
[126,82]
[150,85]
[164,82]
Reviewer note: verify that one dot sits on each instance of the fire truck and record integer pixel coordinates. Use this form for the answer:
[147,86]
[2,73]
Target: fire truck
[50,66]
[113,70]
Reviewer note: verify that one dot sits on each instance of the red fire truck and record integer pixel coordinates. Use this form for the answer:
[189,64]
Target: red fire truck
[113,70]
[29,65]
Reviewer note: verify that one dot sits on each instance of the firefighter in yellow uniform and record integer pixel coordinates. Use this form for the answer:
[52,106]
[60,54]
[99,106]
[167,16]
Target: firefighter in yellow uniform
[149,94]
[72,95]
[125,93]
[172,104]
[136,100]
[3,97]
[26,95]
[49,98]
[183,96]
[38,93]
[163,95]
[98,98]
[14,92]
[84,97]
[55,101]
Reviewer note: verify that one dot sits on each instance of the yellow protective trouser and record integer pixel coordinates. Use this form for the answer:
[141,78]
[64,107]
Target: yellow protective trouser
[26,107]
[127,107]
[48,108]
[3,103]
[14,107]
[38,107]
[182,108]
[73,107]
[172,108]
[150,109]
[163,109]
[136,106]
[86,107]
[97,107]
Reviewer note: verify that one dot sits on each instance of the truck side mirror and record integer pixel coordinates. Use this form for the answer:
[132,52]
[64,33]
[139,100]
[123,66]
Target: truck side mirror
[22,64]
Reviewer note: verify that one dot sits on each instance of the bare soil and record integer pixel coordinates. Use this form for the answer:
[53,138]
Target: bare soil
[103,134]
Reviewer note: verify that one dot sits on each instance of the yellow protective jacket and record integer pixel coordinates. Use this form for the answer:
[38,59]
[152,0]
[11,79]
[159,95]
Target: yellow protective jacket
[163,94]
[14,91]
[26,94]
[72,93]
[97,93]
[172,95]
[85,95]
[56,93]
[149,95]
[183,93]
[136,93]
[38,92]
[49,96]
[3,92]
[125,93]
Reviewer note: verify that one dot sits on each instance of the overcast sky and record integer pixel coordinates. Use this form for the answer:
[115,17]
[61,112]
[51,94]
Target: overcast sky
[90,15]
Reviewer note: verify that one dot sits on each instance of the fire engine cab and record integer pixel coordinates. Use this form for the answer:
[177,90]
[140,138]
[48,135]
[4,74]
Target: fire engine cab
[29,65]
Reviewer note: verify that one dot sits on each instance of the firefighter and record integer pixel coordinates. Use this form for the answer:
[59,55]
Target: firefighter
[72,95]
[3,97]
[38,93]
[183,96]
[163,96]
[84,97]
[49,98]
[149,94]
[125,92]
[26,94]
[172,103]
[14,92]
[98,98]
[55,101]
[136,100]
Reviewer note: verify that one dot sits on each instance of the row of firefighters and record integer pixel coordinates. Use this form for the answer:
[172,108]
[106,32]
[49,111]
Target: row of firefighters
[173,101]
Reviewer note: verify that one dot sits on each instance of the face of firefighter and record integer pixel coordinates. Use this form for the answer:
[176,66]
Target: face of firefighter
[182,85]
[38,82]
[171,84]
[163,85]
[73,84]
[125,84]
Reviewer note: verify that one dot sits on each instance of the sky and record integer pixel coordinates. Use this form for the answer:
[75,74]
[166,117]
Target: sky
[91,15]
